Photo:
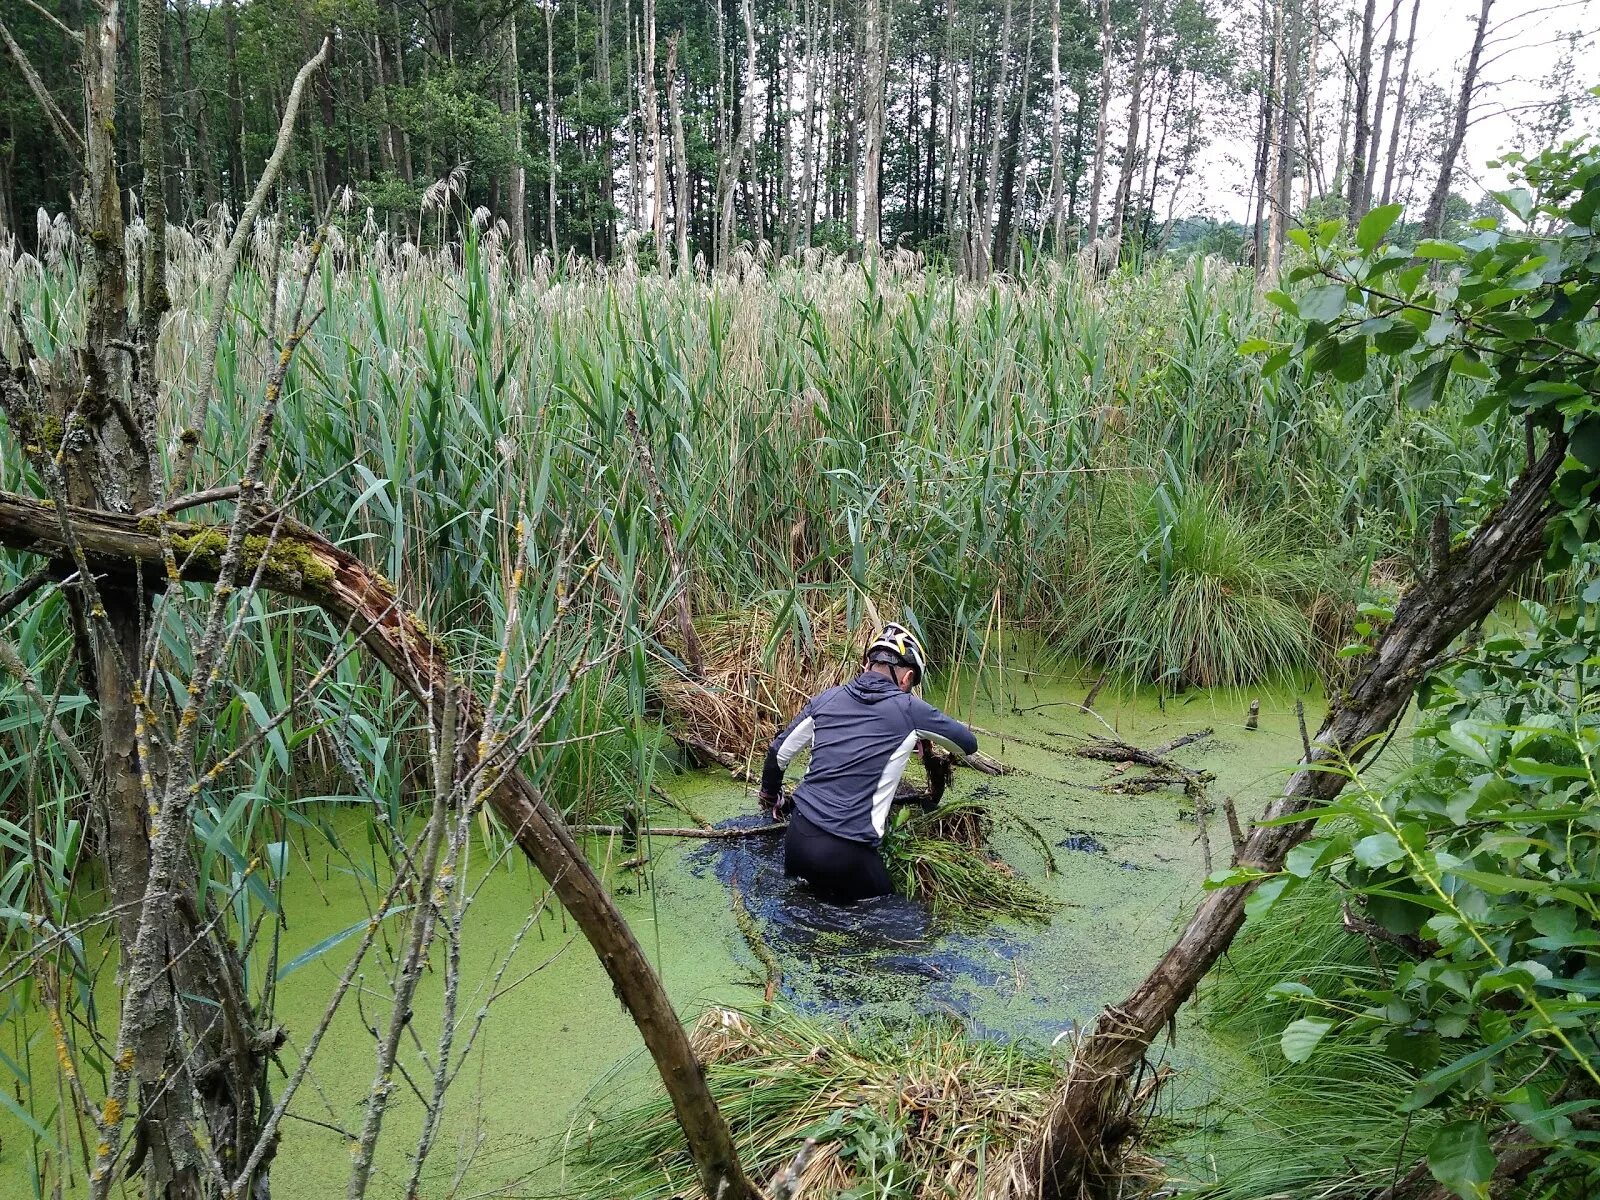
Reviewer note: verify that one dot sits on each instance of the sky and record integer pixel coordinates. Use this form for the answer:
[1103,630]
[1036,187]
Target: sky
[1522,48]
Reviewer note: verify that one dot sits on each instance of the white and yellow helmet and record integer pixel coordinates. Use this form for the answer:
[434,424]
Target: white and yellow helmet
[897,644]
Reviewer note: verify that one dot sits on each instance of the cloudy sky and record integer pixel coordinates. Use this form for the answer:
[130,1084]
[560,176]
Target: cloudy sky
[1526,39]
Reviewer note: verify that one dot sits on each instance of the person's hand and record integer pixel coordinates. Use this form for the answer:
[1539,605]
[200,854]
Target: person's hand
[777,805]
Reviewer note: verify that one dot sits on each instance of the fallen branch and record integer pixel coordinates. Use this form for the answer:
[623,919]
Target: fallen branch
[301,563]
[624,830]
[1187,739]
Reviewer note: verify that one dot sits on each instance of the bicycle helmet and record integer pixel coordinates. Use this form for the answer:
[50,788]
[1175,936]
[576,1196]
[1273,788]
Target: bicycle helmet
[898,646]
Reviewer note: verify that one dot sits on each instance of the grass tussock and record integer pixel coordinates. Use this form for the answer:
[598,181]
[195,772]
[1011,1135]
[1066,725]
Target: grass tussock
[944,858]
[1184,589]
[916,1114]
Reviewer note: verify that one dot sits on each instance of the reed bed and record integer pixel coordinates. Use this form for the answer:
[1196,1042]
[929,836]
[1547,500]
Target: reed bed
[920,1113]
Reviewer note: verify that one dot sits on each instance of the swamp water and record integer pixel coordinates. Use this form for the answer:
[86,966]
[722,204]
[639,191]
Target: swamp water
[556,1045]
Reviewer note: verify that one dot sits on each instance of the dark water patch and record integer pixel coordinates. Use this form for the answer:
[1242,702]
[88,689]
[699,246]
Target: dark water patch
[1086,843]
[882,955]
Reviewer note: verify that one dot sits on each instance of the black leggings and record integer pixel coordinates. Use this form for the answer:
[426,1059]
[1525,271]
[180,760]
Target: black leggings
[838,868]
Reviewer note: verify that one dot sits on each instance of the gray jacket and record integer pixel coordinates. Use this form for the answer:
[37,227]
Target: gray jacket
[861,736]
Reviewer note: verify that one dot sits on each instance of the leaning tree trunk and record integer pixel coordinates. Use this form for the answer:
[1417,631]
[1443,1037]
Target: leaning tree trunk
[125,548]
[1078,1148]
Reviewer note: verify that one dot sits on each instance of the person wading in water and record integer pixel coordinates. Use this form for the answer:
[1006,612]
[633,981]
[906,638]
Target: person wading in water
[861,735]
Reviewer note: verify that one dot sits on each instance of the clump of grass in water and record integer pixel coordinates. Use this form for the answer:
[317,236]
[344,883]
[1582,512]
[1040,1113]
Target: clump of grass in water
[1183,589]
[915,1113]
[943,858]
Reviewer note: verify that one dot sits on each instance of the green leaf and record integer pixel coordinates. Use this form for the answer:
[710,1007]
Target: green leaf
[1397,339]
[1260,901]
[1584,442]
[332,940]
[1323,303]
[1291,987]
[1460,1157]
[1378,850]
[1518,201]
[1351,363]
[1300,1038]
[1427,387]
[1255,346]
[1447,251]
[1375,224]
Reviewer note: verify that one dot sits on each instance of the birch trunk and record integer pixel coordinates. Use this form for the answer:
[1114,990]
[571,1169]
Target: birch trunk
[1433,220]
[1400,105]
[1099,171]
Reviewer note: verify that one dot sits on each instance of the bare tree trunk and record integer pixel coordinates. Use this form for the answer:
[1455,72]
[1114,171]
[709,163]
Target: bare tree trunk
[680,159]
[1084,1131]
[1373,152]
[516,180]
[1130,154]
[799,211]
[197,114]
[1101,121]
[652,139]
[1433,220]
[734,163]
[872,124]
[1282,170]
[152,154]
[1312,173]
[1054,207]
[1400,105]
[1355,192]
[358,599]
[983,230]
[1266,127]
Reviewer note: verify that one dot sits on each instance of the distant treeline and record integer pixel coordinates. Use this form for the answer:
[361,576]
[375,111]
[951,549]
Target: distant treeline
[972,129]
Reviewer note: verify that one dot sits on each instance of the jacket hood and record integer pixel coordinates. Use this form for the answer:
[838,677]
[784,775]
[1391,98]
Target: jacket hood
[870,687]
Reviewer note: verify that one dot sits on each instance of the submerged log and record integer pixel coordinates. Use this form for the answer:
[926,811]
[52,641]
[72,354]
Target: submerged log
[300,562]
[1080,1145]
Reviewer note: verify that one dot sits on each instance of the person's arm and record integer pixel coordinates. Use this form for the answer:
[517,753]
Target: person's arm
[795,737]
[942,730]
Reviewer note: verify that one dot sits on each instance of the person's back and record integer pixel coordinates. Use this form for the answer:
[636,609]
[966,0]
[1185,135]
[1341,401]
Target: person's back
[861,736]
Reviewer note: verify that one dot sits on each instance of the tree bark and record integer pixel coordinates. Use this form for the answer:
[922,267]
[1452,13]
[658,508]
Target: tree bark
[872,124]
[652,138]
[1355,191]
[1099,169]
[1433,220]
[1130,153]
[680,160]
[1082,1135]
[1054,207]
[515,183]
[1373,151]
[357,598]
[733,164]
[550,122]
[1283,144]
[1400,105]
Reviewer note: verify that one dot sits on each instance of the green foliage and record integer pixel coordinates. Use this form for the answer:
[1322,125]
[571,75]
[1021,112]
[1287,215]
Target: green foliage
[1178,588]
[1481,861]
